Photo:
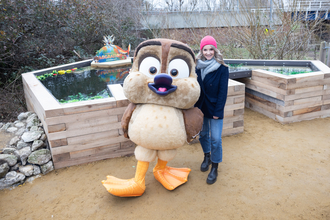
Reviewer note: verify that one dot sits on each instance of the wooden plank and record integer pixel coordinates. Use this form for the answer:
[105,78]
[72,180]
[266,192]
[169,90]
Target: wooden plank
[58,142]
[307,116]
[117,91]
[236,88]
[259,109]
[239,99]
[321,66]
[61,157]
[267,107]
[269,82]
[96,151]
[325,107]
[72,162]
[78,132]
[309,84]
[46,100]
[307,110]
[265,91]
[300,106]
[238,124]
[326,97]
[235,99]
[238,112]
[89,105]
[234,107]
[229,113]
[233,118]
[227,125]
[261,100]
[56,128]
[85,123]
[83,116]
[255,84]
[308,89]
[304,95]
[34,104]
[232,131]
[275,79]
[127,144]
[307,100]
[84,146]
[230,100]
[90,138]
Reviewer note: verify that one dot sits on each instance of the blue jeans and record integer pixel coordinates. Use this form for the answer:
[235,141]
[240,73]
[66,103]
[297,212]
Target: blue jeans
[210,138]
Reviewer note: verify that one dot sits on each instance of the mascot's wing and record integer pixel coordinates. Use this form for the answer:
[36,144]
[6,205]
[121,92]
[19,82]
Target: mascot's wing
[126,118]
[193,121]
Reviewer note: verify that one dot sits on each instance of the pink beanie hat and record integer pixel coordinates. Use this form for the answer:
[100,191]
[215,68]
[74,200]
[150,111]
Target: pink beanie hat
[208,40]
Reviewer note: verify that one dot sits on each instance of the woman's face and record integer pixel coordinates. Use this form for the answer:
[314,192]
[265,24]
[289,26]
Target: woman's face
[208,52]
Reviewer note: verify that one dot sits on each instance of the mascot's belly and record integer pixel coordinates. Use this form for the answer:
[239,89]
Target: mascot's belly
[157,127]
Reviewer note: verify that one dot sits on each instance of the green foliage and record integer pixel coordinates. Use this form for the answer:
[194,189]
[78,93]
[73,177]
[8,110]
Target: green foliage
[84,97]
[36,34]
[39,33]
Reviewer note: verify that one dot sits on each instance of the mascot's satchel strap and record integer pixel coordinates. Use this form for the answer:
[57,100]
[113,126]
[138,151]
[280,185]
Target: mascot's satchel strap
[193,120]
[126,118]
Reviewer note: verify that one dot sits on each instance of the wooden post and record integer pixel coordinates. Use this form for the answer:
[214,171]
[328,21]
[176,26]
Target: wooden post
[322,51]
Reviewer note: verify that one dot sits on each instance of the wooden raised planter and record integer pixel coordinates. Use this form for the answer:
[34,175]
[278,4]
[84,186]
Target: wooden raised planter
[233,122]
[292,98]
[89,131]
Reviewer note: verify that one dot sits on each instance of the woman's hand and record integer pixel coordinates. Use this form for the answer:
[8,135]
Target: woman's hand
[215,117]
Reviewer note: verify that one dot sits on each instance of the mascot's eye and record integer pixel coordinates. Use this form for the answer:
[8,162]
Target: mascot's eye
[174,72]
[149,66]
[178,68]
[153,70]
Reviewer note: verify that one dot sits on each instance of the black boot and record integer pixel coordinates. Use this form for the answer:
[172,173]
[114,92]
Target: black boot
[212,177]
[206,162]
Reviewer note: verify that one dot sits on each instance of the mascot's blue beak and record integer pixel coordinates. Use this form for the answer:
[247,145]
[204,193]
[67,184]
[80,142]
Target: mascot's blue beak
[162,85]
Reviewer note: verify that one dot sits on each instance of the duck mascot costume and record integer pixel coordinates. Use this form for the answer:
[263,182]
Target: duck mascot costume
[162,88]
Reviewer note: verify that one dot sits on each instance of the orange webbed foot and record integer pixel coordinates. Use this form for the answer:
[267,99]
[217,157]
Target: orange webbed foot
[123,187]
[170,177]
[128,187]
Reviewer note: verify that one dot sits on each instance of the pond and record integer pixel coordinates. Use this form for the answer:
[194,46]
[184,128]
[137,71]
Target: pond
[81,84]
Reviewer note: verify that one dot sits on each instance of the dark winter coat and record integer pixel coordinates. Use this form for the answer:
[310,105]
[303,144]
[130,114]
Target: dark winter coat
[214,90]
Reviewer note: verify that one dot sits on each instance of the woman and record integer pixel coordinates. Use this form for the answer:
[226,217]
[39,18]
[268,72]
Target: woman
[212,76]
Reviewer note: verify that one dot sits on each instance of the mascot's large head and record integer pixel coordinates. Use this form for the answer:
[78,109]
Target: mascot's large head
[163,73]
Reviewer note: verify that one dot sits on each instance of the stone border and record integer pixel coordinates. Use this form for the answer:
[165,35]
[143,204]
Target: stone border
[27,154]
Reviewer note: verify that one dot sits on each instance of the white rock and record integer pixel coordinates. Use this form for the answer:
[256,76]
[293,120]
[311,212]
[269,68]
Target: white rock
[30,136]
[46,168]
[12,129]
[22,144]
[20,131]
[37,144]
[23,154]
[26,170]
[19,125]
[14,140]
[24,115]
[10,159]
[36,170]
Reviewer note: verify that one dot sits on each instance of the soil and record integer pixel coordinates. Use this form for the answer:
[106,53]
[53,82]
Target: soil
[271,171]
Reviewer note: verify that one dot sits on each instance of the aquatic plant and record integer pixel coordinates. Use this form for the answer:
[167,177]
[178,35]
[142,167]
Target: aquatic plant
[84,97]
